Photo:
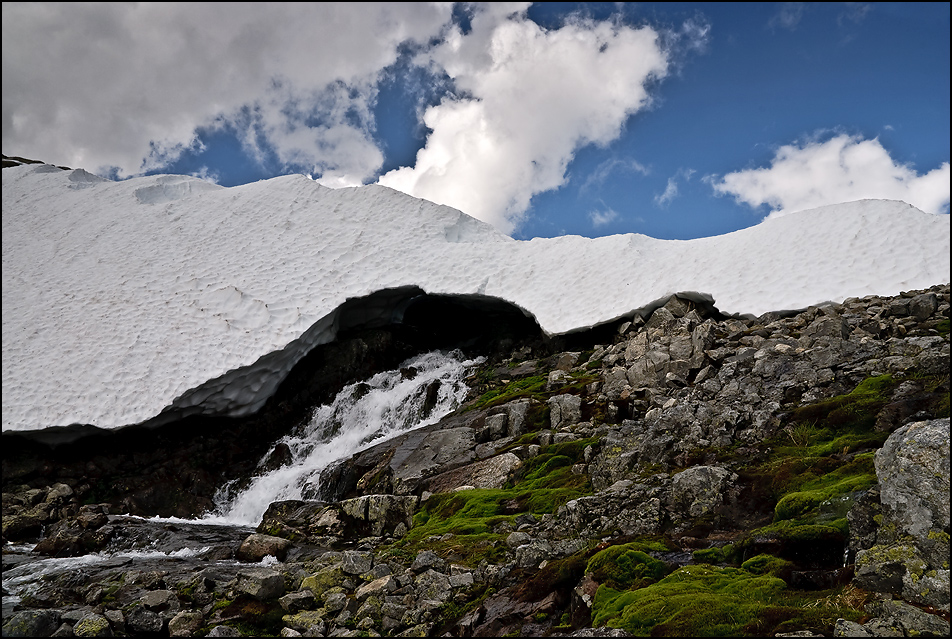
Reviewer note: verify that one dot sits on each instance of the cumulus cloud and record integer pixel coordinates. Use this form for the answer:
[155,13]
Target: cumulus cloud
[127,85]
[841,169]
[526,99]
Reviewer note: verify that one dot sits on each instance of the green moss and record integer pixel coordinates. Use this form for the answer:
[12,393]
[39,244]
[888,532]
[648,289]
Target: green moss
[561,574]
[692,601]
[704,601]
[943,328]
[855,409]
[816,492]
[767,565]
[540,486]
[516,389]
[625,566]
[723,555]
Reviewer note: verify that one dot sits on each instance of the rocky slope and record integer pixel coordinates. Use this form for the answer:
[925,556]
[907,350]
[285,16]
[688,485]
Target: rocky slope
[685,475]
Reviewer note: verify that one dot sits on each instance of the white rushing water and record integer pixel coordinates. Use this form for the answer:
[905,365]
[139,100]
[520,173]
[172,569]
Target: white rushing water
[362,414]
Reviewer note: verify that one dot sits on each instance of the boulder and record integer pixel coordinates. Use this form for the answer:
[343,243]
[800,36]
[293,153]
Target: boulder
[186,623]
[913,471]
[257,546]
[32,623]
[488,473]
[92,625]
[698,491]
[261,583]
[565,410]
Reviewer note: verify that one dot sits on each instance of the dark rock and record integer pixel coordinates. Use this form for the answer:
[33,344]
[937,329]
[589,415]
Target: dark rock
[143,621]
[32,623]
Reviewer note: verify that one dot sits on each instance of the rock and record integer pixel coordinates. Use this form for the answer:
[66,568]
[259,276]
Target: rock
[565,410]
[913,471]
[257,546]
[427,559]
[846,628]
[698,491]
[531,554]
[376,515]
[377,588]
[160,600]
[912,621]
[186,623]
[923,306]
[141,620]
[297,601]
[32,623]
[261,583]
[433,585]
[516,539]
[494,428]
[516,413]
[223,631]
[461,580]
[488,473]
[357,562]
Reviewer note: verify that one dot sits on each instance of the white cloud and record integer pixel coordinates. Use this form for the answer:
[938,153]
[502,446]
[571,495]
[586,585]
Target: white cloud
[603,171]
[527,99]
[841,169]
[127,84]
[671,190]
[601,218]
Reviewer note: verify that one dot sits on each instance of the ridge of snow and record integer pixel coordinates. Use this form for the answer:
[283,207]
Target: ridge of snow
[122,298]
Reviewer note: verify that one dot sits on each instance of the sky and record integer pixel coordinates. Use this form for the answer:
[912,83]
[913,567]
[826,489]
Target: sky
[673,120]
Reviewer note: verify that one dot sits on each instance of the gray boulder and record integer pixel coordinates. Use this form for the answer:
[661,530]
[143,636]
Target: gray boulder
[488,473]
[565,410]
[913,471]
[261,583]
[698,491]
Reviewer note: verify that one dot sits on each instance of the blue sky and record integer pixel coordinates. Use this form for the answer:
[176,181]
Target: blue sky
[675,120]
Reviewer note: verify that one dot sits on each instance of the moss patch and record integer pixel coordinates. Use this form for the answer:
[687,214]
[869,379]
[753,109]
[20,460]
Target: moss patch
[627,566]
[463,524]
[705,601]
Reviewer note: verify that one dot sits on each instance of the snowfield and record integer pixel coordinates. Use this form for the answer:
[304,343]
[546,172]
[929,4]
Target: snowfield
[122,299]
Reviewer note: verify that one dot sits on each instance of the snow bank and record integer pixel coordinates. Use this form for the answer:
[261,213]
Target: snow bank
[122,298]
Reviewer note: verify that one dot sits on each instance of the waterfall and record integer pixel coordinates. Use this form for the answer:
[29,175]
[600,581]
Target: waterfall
[422,391]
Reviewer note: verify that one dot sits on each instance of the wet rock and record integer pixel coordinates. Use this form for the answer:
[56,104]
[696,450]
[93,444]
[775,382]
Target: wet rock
[257,546]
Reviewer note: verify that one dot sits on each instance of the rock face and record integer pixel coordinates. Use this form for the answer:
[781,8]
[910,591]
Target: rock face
[671,453]
[910,556]
[911,466]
